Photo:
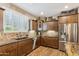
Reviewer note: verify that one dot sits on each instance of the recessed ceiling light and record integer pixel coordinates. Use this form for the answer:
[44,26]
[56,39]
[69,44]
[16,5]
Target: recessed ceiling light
[42,13]
[66,6]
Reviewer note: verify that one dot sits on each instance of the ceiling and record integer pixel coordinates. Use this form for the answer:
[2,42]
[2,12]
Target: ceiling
[49,9]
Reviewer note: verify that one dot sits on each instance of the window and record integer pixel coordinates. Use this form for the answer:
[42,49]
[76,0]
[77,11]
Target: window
[15,21]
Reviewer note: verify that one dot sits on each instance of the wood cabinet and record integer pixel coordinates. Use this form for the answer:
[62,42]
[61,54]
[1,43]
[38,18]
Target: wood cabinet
[9,50]
[19,48]
[68,19]
[12,49]
[34,25]
[24,47]
[53,25]
[63,20]
[50,42]
[3,51]
[72,19]
[1,19]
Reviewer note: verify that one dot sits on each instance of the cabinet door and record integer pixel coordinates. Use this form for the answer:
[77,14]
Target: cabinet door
[63,19]
[12,49]
[3,51]
[34,25]
[9,50]
[72,19]
[24,47]
[52,25]
[1,20]
[50,42]
[68,19]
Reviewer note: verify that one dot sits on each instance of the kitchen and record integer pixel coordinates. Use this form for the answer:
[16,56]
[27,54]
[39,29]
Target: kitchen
[24,33]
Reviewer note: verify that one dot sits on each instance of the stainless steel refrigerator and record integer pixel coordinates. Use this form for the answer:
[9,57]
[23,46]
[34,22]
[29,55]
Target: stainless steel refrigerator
[67,33]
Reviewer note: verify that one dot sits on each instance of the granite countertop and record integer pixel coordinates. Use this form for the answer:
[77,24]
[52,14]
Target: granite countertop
[72,49]
[4,42]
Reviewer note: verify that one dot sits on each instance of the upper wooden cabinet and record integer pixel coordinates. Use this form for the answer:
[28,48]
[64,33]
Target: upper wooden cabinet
[78,18]
[34,25]
[72,19]
[63,19]
[68,19]
[53,25]
[1,19]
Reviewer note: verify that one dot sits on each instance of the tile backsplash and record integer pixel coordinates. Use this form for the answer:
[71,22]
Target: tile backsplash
[50,33]
[9,36]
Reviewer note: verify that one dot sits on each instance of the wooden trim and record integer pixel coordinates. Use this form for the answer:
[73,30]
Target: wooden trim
[69,12]
[52,21]
[67,15]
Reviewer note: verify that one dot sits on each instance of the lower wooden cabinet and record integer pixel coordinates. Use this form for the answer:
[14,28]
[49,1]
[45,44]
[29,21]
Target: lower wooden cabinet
[3,51]
[17,49]
[12,49]
[25,47]
[50,42]
[9,50]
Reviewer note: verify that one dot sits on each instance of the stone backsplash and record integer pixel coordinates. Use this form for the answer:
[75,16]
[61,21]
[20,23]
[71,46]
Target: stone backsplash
[50,33]
[9,36]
